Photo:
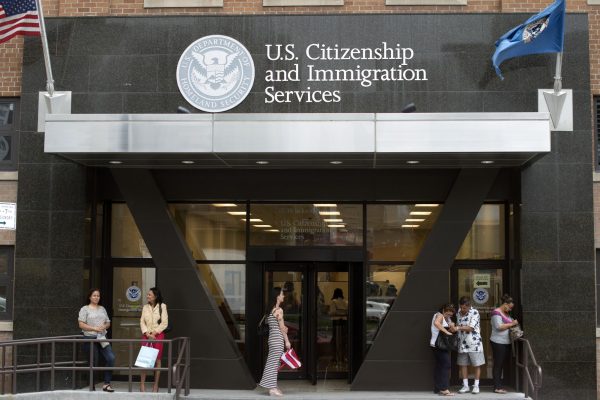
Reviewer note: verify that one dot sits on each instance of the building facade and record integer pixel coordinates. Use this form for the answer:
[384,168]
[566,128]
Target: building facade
[301,184]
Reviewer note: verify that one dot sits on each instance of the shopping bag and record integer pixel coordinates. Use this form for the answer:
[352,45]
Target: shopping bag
[290,359]
[146,357]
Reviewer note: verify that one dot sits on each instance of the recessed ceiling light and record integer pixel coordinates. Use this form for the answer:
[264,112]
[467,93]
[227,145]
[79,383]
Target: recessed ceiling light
[420,212]
[188,162]
[487,162]
[337,226]
[262,226]
[333,220]
[115,162]
[262,162]
[271,230]
[253,220]
[426,205]
[224,205]
[325,205]
[410,226]
[413,162]
[236,212]
[336,162]
[329,213]
[415,219]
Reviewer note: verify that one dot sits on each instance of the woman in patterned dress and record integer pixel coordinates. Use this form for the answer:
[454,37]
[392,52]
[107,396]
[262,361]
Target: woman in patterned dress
[277,339]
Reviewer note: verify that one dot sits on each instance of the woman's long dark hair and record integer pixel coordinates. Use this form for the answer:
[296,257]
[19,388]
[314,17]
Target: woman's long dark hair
[273,294]
[159,301]
[338,293]
[91,292]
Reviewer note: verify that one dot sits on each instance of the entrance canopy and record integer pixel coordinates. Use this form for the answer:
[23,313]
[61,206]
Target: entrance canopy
[363,140]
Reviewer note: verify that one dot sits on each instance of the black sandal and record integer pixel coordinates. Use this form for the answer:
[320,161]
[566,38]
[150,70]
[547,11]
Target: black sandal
[108,388]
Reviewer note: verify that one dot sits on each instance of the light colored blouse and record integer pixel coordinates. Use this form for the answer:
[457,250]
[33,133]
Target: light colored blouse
[434,330]
[150,317]
[499,336]
[93,317]
[339,309]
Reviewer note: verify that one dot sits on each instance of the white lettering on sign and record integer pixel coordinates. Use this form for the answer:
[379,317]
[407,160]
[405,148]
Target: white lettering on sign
[8,216]
[328,63]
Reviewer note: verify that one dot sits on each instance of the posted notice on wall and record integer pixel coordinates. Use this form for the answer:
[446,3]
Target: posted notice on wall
[8,216]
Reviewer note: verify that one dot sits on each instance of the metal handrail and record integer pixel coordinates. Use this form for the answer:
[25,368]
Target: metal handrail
[180,369]
[531,385]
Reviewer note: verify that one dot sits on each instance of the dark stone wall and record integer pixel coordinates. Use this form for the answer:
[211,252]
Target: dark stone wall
[127,65]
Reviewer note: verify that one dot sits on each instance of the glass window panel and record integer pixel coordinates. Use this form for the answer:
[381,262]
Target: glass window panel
[384,283]
[326,224]
[396,232]
[485,240]
[5,148]
[212,231]
[227,284]
[6,114]
[126,240]
[3,296]
[4,261]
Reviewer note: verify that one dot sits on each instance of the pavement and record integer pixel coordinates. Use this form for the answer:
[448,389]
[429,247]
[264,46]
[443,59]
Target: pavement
[296,390]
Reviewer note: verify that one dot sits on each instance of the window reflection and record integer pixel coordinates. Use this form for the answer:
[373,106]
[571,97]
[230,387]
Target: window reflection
[6,114]
[320,224]
[213,231]
[396,232]
[485,240]
[384,283]
[3,294]
[227,284]
[126,240]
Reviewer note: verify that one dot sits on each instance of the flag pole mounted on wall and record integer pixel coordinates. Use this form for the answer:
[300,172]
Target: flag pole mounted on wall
[49,78]
[541,33]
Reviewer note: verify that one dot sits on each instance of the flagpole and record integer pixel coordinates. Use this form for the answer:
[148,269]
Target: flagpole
[557,73]
[49,78]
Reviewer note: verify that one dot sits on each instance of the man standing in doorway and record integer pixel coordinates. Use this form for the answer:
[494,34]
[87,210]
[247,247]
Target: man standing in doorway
[470,348]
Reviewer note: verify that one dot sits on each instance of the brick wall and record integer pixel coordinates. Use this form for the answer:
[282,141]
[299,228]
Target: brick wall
[11,53]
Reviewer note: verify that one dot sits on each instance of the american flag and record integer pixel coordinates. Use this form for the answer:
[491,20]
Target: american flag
[18,17]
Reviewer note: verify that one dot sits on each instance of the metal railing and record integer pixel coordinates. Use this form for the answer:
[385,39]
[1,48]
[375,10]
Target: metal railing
[531,371]
[178,368]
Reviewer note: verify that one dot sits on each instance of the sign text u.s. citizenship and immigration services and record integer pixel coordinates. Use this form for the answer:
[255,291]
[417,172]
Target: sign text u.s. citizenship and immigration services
[320,67]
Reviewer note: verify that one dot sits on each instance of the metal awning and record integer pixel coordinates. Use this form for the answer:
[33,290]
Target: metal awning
[363,140]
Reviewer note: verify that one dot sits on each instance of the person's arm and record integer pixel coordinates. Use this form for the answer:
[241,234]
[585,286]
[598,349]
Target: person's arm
[164,319]
[143,325]
[498,325]
[82,318]
[282,327]
[438,324]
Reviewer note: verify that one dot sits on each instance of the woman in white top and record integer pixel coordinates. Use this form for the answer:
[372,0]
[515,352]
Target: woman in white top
[441,324]
[339,317]
[153,322]
[500,339]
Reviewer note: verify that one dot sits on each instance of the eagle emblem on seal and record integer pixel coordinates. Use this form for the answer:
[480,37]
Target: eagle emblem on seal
[215,72]
[534,29]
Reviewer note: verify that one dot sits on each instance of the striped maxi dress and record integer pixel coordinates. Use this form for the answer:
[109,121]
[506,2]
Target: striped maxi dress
[276,346]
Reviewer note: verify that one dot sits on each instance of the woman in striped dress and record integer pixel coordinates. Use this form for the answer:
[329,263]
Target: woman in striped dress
[277,339]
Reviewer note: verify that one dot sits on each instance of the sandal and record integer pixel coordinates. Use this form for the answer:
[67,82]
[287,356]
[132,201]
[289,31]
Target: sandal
[275,392]
[446,393]
[108,388]
[500,391]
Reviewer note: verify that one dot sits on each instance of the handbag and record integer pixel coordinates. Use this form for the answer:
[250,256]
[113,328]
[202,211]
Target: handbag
[263,326]
[516,332]
[290,359]
[446,342]
[169,325]
[146,357]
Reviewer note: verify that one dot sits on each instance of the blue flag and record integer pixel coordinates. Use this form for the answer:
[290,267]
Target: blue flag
[542,33]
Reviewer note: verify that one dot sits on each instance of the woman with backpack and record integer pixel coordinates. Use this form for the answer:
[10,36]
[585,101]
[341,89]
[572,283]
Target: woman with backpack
[153,322]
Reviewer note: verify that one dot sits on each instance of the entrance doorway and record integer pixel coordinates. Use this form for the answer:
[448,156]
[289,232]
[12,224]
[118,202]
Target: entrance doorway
[317,314]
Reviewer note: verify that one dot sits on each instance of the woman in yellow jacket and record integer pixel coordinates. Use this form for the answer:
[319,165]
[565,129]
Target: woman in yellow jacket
[153,322]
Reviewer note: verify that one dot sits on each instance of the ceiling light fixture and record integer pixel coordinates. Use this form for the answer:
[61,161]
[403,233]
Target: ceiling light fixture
[262,226]
[224,205]
[336,162]
[413,162]
[420,213]
[487,162]
[410,226]
[188,162]
[325,205]
[115,162]
[262,162]
[329,213]
[271,230]
[414,220]
[333,220]
[236,212]
[253,220]
[426,205]
[337,226]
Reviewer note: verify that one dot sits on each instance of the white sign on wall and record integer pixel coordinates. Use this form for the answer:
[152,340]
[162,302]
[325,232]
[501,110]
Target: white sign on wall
[8,216]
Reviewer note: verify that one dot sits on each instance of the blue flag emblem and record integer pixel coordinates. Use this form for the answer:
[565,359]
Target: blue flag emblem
[542,33]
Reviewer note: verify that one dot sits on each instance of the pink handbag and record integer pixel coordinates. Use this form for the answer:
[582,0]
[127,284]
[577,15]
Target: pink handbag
[290,359]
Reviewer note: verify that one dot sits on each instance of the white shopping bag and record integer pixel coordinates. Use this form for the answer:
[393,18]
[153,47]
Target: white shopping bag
[146,357]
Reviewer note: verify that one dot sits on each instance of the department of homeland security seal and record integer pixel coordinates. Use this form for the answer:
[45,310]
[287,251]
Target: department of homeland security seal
[215,73]
[534,29]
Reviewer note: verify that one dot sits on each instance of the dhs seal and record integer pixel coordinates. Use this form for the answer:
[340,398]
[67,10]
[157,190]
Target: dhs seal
[481,296]
[215,73]
[534,29]
[133,293]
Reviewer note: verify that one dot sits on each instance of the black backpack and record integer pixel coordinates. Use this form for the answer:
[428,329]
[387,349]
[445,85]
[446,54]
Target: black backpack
[169,325]
[263,326]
